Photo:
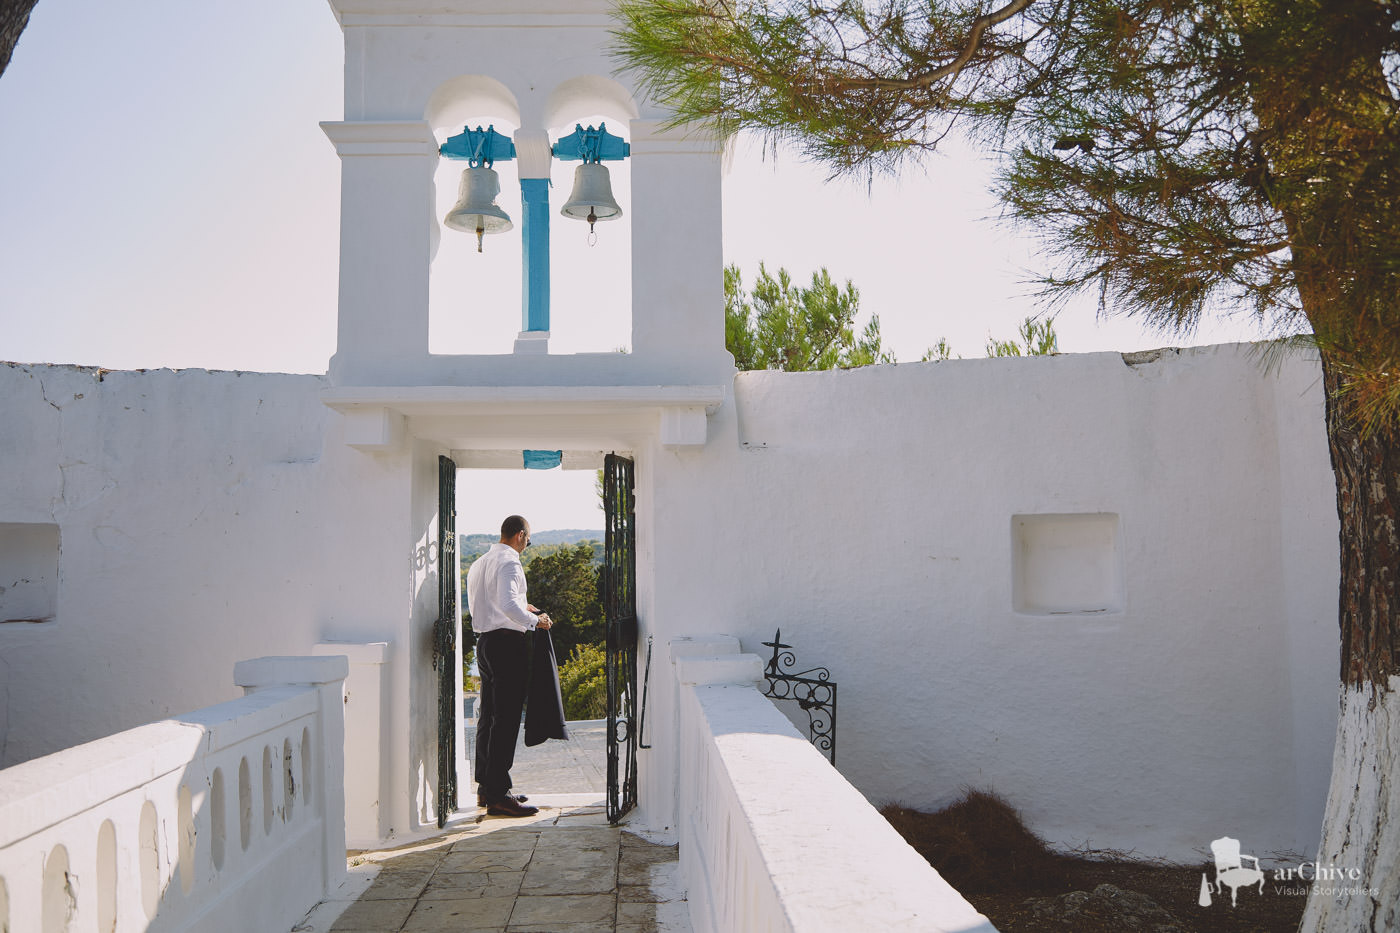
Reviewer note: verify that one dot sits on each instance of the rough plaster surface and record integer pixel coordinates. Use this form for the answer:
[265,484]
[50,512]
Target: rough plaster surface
[200,524]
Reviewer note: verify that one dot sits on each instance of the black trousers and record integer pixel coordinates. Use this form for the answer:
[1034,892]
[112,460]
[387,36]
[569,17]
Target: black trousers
[502,658]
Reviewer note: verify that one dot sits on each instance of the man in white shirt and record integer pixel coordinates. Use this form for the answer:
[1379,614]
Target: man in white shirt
[502,620]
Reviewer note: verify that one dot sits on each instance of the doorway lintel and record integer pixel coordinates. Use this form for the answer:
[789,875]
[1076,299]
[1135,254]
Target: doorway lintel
[382,419]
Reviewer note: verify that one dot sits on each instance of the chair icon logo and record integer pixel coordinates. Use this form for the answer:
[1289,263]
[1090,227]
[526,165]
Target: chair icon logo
[1230,871]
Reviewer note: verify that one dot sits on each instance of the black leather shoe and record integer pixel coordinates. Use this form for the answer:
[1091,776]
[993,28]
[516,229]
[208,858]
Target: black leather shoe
[481,801]
[509,806]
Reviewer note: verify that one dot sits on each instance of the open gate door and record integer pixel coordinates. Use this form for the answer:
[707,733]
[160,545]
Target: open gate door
[445,639]
[620,609]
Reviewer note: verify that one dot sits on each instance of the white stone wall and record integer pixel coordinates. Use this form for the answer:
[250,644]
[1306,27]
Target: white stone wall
[869,514]
[205,517]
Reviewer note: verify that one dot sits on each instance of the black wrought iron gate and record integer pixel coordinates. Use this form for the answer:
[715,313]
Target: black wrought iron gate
[445,638]
[620,608]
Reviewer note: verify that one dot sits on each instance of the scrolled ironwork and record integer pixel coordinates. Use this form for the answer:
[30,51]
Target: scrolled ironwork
[813,690]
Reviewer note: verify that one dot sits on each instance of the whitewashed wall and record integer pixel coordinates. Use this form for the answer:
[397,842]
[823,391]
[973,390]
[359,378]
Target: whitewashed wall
[203,517]
[869,514]
[210,516]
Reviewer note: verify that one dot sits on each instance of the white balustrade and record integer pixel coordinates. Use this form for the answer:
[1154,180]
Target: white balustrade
[772,837]
[230,818]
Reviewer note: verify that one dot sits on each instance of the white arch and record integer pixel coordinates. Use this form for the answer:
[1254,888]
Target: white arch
[474,98]
[586,95]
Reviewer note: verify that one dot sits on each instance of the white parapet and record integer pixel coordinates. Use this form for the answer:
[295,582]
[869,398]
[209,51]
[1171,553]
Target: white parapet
[772,837]
[230,818]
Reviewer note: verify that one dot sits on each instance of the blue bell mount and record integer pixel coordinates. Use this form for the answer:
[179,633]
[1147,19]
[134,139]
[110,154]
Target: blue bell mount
[478,147]
[485,146]
[591,145]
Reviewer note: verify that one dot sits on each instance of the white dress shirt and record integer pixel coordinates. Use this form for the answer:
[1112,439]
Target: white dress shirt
[496,592]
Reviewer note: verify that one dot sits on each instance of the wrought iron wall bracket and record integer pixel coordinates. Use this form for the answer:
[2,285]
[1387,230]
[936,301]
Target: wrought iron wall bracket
[813,690]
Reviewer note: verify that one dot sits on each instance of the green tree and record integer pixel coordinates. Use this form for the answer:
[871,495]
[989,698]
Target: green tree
[564,582]
[939,351]
[782,326]
[1180,158]
[583,683]
[1037,339]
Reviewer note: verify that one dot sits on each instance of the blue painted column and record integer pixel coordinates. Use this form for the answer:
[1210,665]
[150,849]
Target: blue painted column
[534,229]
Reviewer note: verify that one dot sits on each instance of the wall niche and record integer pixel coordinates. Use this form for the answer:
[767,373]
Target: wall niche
[28,572]
[1066,564]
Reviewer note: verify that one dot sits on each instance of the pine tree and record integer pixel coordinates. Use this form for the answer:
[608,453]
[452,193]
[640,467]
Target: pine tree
[1181,159]
[784,326]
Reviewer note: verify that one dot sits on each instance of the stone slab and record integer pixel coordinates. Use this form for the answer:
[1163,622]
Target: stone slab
[559,852]
[503,840]
[418,860]
[582,816]
[454,916]
[510,860]
[565,870]
[632,912]
[573,881]
[373,916]
[583,838]
[596,926]
[454,885]
[397,885]
[544,910]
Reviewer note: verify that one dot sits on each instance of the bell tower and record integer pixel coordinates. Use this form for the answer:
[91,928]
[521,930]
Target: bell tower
[514,93]
[417,73]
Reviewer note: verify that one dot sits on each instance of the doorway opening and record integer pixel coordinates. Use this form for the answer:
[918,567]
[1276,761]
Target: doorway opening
[564,567]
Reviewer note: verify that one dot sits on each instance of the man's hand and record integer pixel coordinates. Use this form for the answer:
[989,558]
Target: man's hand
[544,621]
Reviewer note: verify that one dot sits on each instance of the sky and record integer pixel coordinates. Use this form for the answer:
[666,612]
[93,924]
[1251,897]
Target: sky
[170,201]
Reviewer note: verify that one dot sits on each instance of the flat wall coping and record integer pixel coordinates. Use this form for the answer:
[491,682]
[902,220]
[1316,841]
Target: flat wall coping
[745,669]
[281,671]
[703,645]
[375,652]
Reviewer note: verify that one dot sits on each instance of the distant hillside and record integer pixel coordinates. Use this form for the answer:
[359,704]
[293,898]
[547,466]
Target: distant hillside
[564,536]
[473,546]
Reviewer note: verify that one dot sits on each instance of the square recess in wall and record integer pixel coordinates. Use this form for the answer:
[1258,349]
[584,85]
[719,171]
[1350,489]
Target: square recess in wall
[1066,564]
[28,572]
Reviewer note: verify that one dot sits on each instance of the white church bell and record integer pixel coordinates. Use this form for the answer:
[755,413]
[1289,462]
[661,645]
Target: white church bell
[476,210]
[592,198]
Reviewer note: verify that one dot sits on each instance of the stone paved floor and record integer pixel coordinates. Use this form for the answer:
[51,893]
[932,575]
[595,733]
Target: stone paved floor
[564,870]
